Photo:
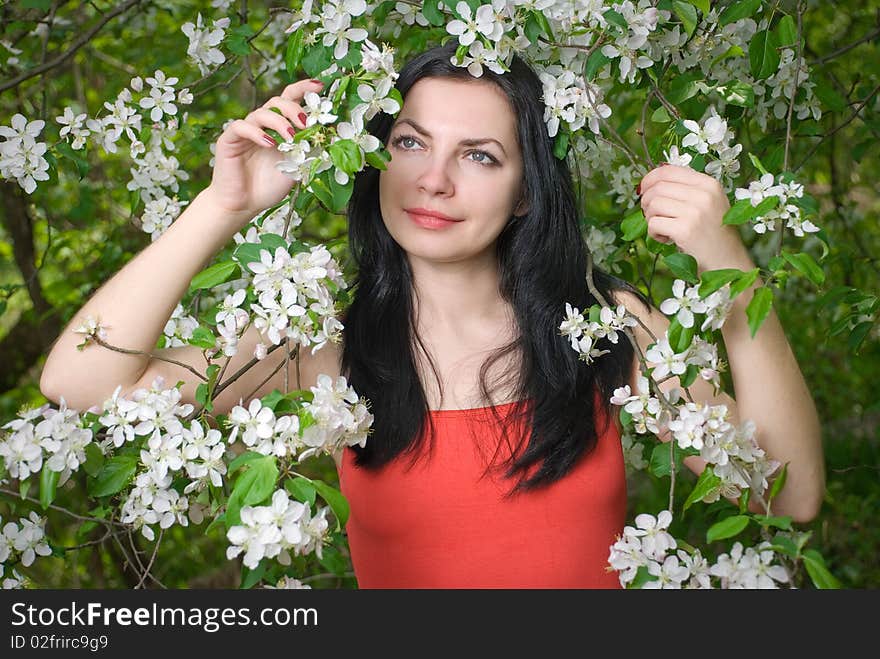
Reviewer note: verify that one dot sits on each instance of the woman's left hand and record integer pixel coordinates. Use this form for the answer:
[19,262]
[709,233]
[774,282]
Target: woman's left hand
[686,207]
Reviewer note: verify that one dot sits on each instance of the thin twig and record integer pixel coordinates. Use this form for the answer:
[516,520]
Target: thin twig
[82,518]
[152,560]
[128,351]
[79,43]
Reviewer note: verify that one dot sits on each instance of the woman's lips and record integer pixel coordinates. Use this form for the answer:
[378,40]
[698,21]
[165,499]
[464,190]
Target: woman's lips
[430,221]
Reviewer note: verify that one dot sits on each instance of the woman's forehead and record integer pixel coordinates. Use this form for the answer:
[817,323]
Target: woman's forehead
[449,104]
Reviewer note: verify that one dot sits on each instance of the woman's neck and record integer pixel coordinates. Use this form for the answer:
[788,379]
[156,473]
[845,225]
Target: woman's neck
[460,297]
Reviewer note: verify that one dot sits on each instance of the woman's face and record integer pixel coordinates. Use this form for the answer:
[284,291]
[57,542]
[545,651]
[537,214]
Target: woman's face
[453,151]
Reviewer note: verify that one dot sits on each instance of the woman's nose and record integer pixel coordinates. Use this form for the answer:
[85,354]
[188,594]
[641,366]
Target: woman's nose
[435,178]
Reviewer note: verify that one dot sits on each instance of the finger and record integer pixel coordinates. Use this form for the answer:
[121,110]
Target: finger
[297,91]
[268,119]
[686,192]
[293,111]
[662,229]
[675,174]
[663,206]
[248,131]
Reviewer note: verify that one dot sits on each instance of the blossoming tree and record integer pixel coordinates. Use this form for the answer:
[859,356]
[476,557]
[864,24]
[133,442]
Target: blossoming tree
[625,85]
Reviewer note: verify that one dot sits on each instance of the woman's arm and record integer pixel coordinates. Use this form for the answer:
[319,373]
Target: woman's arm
[687,207]
[134,306]
[137,302]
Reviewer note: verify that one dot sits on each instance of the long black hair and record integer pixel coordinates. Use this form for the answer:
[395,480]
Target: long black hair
[542,259]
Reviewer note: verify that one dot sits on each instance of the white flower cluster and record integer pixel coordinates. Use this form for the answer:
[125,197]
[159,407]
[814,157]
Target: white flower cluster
[782,88]
[713,138]
[335,418]
[171,451]
[341,417]
[21,155]
[21,542]
[304,159]
[294,298]
[272,222]
[277,530]
[785,212]
[686,301]
[569,98]
[288,583]
[641,21]
[602,245]
[203,42]
[179,328]
[57,438]
[159,213]
[584,333]
[733,453]
[649,545]
[486,33]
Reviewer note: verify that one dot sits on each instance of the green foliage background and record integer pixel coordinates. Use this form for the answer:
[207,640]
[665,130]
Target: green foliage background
[61,243]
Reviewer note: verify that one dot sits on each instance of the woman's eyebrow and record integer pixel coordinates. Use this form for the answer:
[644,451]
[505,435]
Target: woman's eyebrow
[469,142]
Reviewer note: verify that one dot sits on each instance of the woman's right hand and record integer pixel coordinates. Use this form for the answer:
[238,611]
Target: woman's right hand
[245,180]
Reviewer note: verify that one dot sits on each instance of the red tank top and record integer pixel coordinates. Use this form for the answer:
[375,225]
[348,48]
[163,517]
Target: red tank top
[443,524]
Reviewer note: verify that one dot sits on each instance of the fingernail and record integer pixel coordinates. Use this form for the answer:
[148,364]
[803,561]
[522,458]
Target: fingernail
[663,163]
[268,140]
[639,189]
[291,131]
[317,82]
[302,118]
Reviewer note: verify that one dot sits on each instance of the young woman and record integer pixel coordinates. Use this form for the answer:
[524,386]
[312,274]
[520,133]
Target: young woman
[494,460]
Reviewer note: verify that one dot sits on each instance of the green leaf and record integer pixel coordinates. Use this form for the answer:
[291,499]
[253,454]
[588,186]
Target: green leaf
[707,483]
[743,211]
[738,10]
[616,19]
[42,5]
[545,25]
[786,31]
[243,459]
[763,54]
[737,92]
[805,264]
[252,487]
[431,10]
[659,465]
[783,523]
[347,156]
[758,308]
[82,165]
[237,39]
[48,483]
[758,164]
[94,460]
[334,499]
[830,97]
[712,280]
[379,159]
[727,528]
[117,473]
[744,282]
[203,338]
[317,59]
[634,226]
[560,145]
[250,578]
[250,252]
[214,275]
[683,266]
[819,574]
[702,5]
[294,52]
[595,63]
[687,14]
[661,116]
[858,334]
[683,87]
[301,489]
